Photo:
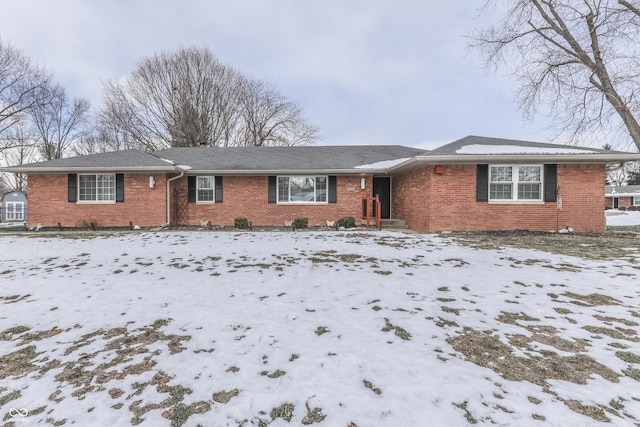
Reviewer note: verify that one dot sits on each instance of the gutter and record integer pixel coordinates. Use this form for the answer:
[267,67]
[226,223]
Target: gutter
[169,196]
[591,158]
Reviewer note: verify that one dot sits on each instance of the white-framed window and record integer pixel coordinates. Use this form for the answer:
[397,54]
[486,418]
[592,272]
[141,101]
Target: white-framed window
[15,211]
[205,189]
[515,183]
[635,201]
[302,189]
[97,187]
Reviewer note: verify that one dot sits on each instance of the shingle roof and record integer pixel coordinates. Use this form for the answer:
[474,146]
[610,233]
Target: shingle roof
[492,146]
[122,160]
[623,191]
[298,158]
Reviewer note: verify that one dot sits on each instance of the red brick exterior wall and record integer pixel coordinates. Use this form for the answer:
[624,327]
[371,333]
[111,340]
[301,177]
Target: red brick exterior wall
[426,200]
[623,202]
[245,196]
[438,202]
[142,205]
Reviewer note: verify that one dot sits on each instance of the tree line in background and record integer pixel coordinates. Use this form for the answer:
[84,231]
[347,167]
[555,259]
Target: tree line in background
[172,99]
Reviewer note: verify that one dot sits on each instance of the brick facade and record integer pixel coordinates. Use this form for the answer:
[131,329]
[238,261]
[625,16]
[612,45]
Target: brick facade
[143,206]
[623,202]
[447,201]
[427,200]
[245,196]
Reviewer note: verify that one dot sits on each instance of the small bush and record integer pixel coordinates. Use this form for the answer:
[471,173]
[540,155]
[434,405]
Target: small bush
[300,223]
[346,222]
[241,223]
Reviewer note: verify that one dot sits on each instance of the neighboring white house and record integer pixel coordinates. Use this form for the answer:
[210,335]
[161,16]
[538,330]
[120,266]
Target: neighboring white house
[623,197]
[13,207]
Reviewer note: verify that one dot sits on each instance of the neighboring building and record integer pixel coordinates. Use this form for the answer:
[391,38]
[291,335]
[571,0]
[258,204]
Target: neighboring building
[13,207]
[622,197]
[475,183]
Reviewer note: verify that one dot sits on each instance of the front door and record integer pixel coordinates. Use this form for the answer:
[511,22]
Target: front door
[382,189]
[615,203]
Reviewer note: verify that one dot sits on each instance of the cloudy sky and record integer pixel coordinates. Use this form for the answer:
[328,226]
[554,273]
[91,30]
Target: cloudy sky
[364,71]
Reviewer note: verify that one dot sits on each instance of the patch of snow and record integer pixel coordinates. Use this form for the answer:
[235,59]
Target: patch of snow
[311,319]
[516,149]
[386,164]
[622,218]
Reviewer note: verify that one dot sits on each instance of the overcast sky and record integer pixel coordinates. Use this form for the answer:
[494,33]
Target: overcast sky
[364,71]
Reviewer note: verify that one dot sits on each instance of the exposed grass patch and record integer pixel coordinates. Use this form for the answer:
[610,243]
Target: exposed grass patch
[593,299]
[225,396]
[617,333]
[320,330]
[398,331]
[368,384]
[284,411]
[487,350]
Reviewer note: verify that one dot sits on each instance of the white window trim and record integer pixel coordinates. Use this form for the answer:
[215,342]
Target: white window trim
[298,203]
[95,202]
[206,202]
[635,201]
[13,213]
[514,189]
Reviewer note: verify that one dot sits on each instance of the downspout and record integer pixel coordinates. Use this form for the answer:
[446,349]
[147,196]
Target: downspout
[169,196]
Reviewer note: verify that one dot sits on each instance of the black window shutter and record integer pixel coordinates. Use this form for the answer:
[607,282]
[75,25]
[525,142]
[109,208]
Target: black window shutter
[272,189]
[191,189]
[550,183]
[333,193]
[72,187]
[218,189]
[482,183]
[119,187]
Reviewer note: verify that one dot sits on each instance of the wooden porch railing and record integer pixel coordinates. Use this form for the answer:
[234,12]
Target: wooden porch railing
[371,210]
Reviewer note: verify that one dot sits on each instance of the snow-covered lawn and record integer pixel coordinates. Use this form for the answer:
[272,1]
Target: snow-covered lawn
[327,328]
[622,218]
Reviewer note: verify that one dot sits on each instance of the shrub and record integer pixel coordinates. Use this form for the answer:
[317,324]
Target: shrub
[346,222]
[241,223]
[300,223]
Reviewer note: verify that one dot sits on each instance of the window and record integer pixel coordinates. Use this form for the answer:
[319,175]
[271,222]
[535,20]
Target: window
[205,189]
[15,211]
[97,188]
[515,183]
[302,189]
[635,201]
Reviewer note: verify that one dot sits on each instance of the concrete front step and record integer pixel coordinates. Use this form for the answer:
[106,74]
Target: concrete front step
[397,224]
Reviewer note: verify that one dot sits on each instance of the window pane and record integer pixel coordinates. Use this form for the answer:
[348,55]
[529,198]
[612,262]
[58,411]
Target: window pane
[205,188]
[529,191]
[500,191]
[501,174]
[321,188]
[106,187]
[283,189]
[87,187]
[529,173]
[301,189]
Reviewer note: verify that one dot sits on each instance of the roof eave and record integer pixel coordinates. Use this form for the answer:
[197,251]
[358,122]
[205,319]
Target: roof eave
[92,169]
[528,158]
[267,172]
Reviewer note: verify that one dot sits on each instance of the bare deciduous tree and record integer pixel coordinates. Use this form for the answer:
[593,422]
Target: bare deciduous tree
[59,122]
[188,97]
[20,87]
[580,57]
[20,150]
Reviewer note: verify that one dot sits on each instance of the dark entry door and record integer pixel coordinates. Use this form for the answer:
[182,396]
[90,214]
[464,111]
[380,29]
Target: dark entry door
[382,189]
[615,203]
